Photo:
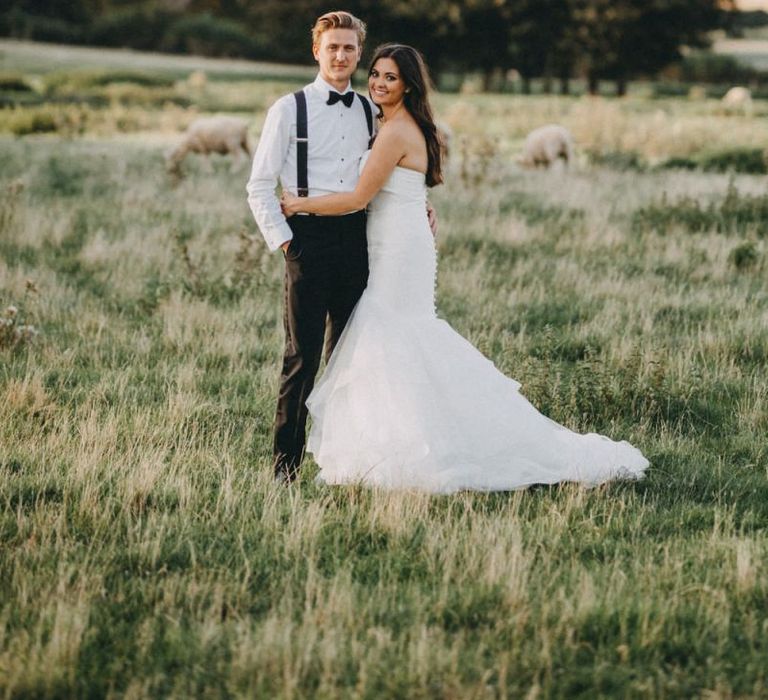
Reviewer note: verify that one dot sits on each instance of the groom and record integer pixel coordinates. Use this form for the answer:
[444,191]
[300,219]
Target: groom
[311,142]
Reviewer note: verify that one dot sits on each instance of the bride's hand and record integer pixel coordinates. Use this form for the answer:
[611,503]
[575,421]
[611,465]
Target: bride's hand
[289,203]
[432,218]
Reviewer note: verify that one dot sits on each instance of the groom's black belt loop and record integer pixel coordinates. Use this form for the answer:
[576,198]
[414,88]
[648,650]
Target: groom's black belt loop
[302,142]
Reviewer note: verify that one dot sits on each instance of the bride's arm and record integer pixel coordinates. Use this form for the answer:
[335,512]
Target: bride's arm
[388,150]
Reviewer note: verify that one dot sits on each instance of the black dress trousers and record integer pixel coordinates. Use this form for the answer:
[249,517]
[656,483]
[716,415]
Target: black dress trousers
[326,270]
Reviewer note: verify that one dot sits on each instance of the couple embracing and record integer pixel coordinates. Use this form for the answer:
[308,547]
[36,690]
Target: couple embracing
[405,401]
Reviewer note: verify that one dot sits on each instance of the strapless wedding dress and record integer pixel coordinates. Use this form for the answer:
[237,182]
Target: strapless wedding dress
[407,403]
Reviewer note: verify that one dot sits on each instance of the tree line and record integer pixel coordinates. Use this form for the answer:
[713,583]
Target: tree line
[552,40]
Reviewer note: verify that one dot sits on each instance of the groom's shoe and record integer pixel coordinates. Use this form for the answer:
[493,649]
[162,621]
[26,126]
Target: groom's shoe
[286,468]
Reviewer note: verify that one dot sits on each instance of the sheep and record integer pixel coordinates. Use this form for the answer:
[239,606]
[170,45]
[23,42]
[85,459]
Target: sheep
[738,99]
[546,145]
[219,134]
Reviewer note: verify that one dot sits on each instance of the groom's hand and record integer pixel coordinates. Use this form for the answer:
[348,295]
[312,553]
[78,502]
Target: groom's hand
[432,218]
[284,246]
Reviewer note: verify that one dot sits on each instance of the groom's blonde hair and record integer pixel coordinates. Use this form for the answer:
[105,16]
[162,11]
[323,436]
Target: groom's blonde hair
[338,19]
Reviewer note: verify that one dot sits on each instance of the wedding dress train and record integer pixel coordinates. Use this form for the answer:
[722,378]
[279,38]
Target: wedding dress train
[406,402]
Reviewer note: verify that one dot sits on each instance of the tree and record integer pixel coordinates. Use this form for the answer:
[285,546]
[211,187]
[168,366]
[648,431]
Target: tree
[433,27]
[540,42]
[654,38]
[553,39]
[621,39]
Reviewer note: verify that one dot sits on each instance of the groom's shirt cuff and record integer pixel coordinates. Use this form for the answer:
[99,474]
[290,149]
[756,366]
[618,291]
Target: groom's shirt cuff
[275,237]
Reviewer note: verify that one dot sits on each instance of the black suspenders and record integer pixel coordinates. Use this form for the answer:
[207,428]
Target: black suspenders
[302,184]
[301,143]
[368,117]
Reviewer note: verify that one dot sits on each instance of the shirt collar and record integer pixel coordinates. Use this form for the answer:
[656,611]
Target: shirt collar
[325,88]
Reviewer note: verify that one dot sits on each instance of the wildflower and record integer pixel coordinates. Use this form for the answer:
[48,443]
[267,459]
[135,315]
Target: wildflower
[26,333]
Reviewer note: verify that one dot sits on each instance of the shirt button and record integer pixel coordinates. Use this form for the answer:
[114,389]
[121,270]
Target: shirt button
[342,160]
[341,180]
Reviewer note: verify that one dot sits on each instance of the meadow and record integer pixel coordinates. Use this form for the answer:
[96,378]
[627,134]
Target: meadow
[145,551]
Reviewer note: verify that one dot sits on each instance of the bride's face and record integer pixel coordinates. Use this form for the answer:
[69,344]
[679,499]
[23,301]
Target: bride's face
[385,84]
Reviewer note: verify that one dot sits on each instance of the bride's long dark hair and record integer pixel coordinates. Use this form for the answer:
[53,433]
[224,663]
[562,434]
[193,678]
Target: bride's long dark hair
[414,74]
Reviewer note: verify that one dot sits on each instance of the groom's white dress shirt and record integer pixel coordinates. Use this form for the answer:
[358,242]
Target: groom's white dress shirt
[338,136]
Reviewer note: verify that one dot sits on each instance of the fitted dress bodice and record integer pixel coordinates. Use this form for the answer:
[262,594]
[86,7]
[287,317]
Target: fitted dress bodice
[401,247]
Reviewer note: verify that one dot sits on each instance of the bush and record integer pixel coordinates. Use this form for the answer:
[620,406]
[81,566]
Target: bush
[734,213]
[21,25]
[744,256]
[686,212]
[738,160]
[108,77]
[706,67]
[668,89]
[134,27]
[535,212]
[14,82]
[69,81]
[679,163]
[209,36]
[618,160]
[21,122]
[67,120]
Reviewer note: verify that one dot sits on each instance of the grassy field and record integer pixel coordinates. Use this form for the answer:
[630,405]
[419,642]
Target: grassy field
[145,552]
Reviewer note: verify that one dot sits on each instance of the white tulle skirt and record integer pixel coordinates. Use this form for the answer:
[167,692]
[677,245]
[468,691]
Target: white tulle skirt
[414,405]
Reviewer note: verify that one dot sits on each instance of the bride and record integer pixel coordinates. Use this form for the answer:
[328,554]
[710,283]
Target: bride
[405,401]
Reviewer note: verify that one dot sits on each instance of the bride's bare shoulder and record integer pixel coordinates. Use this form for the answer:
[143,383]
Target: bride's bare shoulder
[391,134]
[402,131]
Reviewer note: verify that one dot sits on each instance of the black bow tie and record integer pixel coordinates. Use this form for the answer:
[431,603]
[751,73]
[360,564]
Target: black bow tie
[346,98]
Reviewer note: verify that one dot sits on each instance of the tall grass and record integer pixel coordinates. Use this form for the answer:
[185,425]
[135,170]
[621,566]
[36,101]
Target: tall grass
[146,552]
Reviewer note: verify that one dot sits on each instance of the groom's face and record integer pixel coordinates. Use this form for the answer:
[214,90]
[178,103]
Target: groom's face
[337,54]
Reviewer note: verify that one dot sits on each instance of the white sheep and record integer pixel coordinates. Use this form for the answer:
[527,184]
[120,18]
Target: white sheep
[546,145]
[738,99]
[206,135]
